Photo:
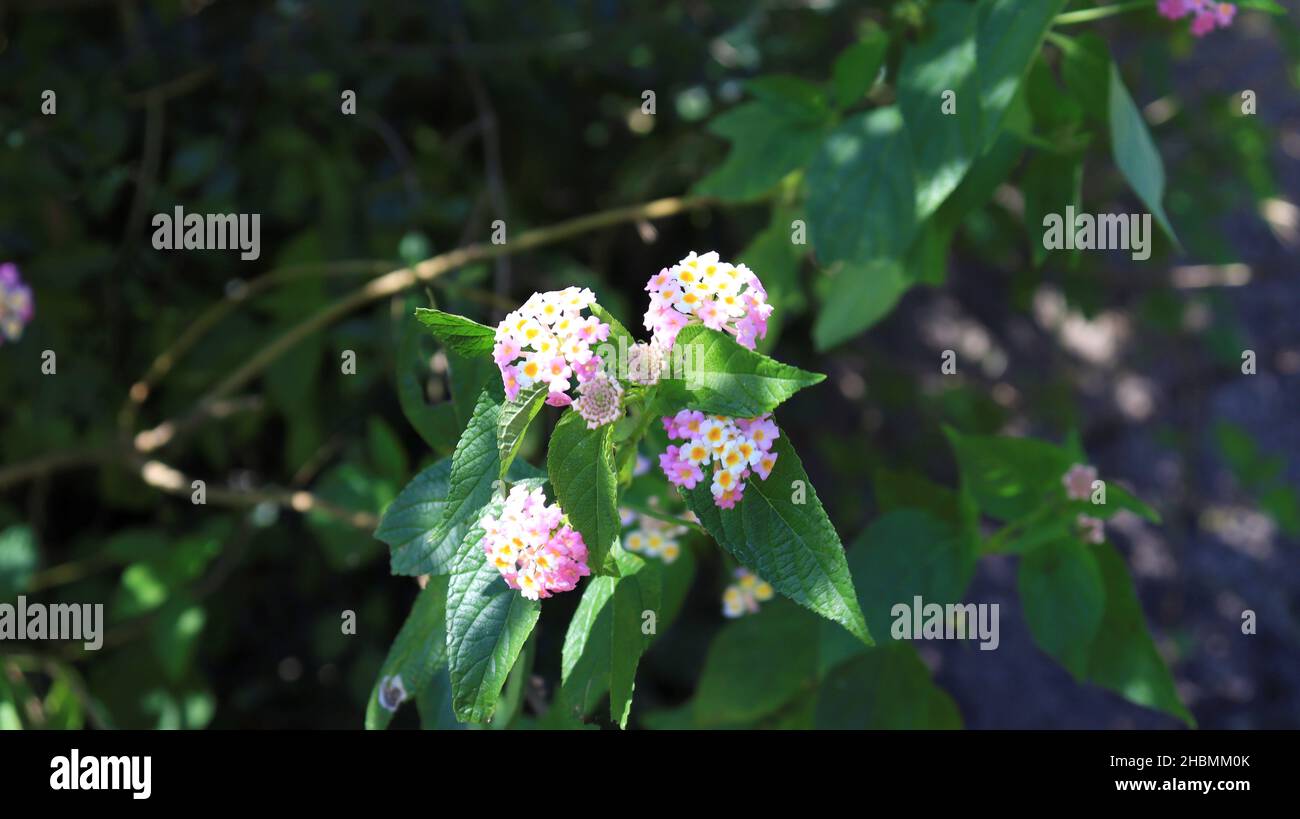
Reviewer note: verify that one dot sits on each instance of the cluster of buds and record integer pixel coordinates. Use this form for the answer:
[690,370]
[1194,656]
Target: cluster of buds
[600,400]
[702,289]
[733,448]
[549,341]
[1206,15]
[532,546]
[16,306]
[743,596]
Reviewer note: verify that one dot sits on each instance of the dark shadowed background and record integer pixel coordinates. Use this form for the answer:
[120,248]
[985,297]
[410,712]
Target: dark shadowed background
[227,615]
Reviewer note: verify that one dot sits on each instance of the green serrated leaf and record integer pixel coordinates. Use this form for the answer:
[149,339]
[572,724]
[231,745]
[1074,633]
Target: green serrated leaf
[780,530]
[861,190]
[413,518]
[487,625]
[424,531]
[637,590]
[416,656]
[604,643]
[580,463]
[515,417]
[944,144]
[770,137]
[459,334]
[470,376]
[719,376]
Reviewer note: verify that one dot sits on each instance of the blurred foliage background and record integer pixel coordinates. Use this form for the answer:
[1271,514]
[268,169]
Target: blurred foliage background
[228,614]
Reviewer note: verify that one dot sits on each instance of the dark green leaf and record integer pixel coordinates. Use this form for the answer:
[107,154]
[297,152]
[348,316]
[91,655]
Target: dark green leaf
[436,423]
[1010,33]
[176,631]
[1052,182]
[487,625]
[1063,597]
[17,560]
[459,334]
[860,295]
[943,144]
[1123,657]
[580,462]
[887,687]
[425,523]
[515,417]
[723,378]
[757,664]
[1009,477]
[416,656]
[856,68]
[1135,152]
[792,98]
[861,193]
[770,137]
[1086,67]
[790,544]
[907,553]
[605,641]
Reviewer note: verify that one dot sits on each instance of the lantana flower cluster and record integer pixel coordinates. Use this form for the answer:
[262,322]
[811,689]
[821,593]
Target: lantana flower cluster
[743,596]
[1078,480]
[703,289]
[653,537]
[549,341]
[1207,15]
[731,448]
[16,307]
[532,546]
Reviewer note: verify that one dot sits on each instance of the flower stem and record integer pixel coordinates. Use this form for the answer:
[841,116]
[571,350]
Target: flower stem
[1101,12]
[642,509]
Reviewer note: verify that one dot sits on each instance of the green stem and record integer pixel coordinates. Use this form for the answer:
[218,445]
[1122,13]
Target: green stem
[641,509]
[997,543]
[1088,15]
[628,446]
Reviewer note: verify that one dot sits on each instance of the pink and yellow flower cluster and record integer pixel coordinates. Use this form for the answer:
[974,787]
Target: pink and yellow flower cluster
[734,448]
[1207,15]
[532,546]
[548,341]
[1078,482]
[16,306]
[703,289]
[653,537]
[743,596]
